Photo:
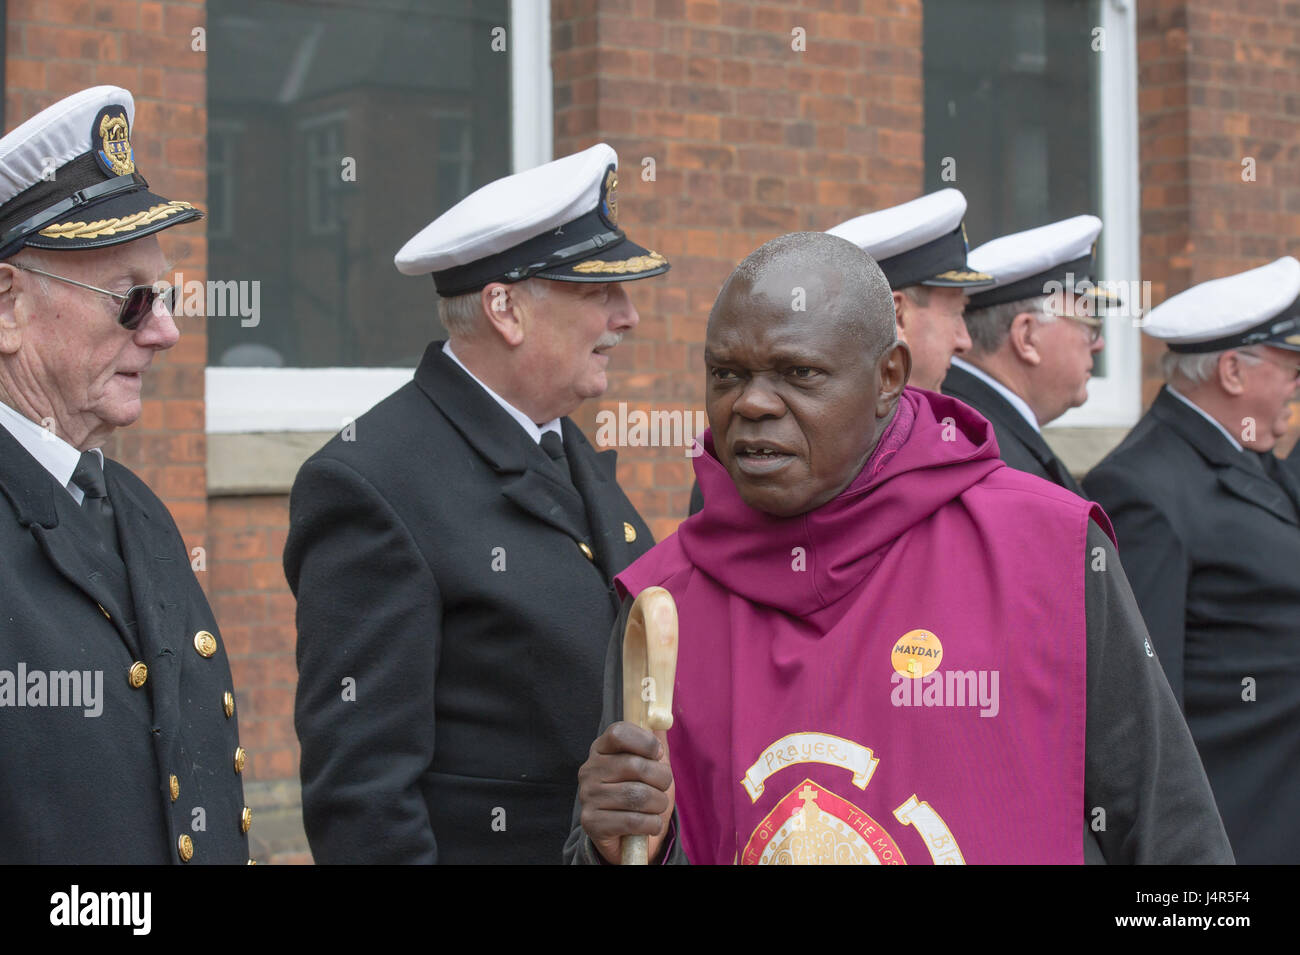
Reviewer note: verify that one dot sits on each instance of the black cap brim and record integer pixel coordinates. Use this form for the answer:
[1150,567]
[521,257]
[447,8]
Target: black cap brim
[119,218]
[623,261]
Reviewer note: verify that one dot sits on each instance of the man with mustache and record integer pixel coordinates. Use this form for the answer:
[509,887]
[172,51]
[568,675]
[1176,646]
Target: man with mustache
[453,555]
[893,647]
[1033,339]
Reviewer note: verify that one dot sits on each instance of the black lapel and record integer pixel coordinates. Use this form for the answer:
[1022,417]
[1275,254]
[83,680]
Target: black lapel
[1241,476]
[984,399]
[594,475]
[33,491]
[528,478]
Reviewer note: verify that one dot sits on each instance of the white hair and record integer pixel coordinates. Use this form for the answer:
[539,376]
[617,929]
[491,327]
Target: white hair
[460,314]
[1193,368]
[990,326]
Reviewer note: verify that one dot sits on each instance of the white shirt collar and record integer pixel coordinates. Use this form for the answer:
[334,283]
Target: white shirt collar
[50,451]
[1015,400]
[525,422]
[1201,411]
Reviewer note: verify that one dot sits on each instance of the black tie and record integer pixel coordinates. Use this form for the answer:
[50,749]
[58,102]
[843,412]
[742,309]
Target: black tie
[553,445]
[89,476]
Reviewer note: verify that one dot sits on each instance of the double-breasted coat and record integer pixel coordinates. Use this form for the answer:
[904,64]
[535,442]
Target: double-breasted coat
[119,740]
[1209,537]
[454,601]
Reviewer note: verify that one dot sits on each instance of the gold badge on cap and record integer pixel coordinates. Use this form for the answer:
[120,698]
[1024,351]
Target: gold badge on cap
[609,198]
[111,137]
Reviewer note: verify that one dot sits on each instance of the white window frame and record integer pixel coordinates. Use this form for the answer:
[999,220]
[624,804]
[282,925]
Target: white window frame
[1116,400]
[253,400]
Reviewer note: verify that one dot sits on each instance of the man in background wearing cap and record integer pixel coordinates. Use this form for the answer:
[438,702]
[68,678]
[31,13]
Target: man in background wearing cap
[1209,533]
[118,739]
[454,563]
[1032,339]
[921,248]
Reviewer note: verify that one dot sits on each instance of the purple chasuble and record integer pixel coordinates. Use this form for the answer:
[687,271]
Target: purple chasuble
[897,676]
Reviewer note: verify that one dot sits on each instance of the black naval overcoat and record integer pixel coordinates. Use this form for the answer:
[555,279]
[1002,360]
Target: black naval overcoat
[1019,445]
[454,602]
[150,778]
[1211,545]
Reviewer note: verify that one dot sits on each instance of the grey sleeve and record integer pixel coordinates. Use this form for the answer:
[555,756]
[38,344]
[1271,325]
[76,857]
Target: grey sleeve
[578,849]
[1146,796]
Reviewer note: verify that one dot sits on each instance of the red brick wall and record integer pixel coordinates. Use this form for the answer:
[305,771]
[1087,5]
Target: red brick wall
[1219,82]
[56,47]
[750,139]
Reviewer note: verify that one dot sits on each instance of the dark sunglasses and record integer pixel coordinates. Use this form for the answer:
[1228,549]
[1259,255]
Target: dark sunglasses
[137,302]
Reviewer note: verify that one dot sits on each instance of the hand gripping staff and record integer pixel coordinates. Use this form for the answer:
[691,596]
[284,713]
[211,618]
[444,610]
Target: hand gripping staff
[649,669]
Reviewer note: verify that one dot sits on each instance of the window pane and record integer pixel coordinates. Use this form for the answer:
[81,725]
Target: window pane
[1011,94]
[1012,106]
[344,128]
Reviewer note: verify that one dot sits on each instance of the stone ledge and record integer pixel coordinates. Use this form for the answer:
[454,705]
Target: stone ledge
[259,463]
[1082,448]
[277,835]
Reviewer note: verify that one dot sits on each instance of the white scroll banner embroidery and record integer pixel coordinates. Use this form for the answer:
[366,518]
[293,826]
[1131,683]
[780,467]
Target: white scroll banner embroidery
[810,748]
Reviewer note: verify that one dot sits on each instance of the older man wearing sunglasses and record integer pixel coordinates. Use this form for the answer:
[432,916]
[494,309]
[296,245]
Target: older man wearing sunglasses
[118,738]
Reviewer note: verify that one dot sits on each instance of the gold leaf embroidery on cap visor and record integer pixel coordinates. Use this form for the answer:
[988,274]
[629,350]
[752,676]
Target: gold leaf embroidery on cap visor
[957,276]
[92,230]
[638,263]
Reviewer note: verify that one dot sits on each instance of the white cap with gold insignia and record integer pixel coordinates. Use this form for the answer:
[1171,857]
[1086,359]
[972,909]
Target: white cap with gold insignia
[557,221]
[1056,257]
[1257,307]
[68,178]
[921,242]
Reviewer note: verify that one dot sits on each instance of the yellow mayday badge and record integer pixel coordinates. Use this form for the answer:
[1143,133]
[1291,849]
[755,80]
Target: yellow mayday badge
[917,653]
[111,138]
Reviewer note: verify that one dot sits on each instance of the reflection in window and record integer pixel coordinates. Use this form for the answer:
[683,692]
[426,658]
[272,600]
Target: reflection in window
[1011,94]
[1012,106]
[412,93]
[222,137]
[323,161]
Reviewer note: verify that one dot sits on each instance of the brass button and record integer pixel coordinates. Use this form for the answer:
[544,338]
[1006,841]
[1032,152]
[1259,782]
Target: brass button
[246,820]
[629,532]
[185,847]
[175,787]
[228,701]
[586,551]
[137,675]
[103,611]
[241,757]
[205,643]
